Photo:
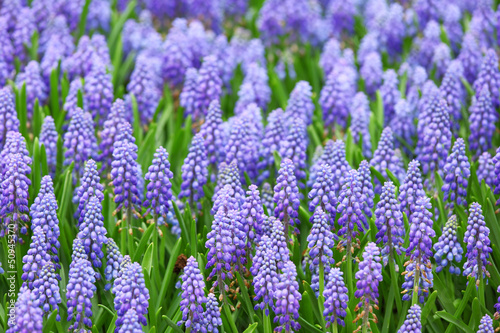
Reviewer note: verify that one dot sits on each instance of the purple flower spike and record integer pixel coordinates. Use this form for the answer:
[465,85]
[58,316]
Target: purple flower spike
[441,59]
[90,186]
[478,244]
[278,241]
[242,147]
[266,274]
[193,296]
[229,175]
[130,293]
[113,260]
[329,56]
[252,215]
[489,75]
[350,208]
[15,184]
[109,133]
[300,103]
[448,248]
[28,315]
[456,173]
[389,222]
[452,90]
[48,138]
[267,197]
[23,32]
[389,91]
[124,170]
[486,169]
[482,122]
[287,297]
[333,155]
[80,141]
[411,189]
[8,114]
[470,57]
[35,86]
[92,233]
[321,239]
[322,194]
[209,85]
[212,318]
[412,323]
[80,63]
[497,305]
[254,89]
[194,171]
[434,141]
[486,325]
[370,44]
[368,277]
[98,91]
[274,135]
[80,291]
[385,157]
[371,71]
[341,14]
[159,189]
[294,147]
[365,180]
[360,120]
[220,249]
[426,45]
[46,289]
[187,98]
[403,125]
[131,322]
[71,102]
[36,257]
[418,267]
[335,298]
[214,135]
[334,100]
[286,196]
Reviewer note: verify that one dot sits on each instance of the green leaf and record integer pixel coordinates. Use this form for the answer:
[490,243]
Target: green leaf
[172,325]
[167,280]
[308,327]
[377,175]
[51,321]
[379,110]
[245,297]
[117,27]
[251,328]
[147,261]
[83,19]
[144,242]
[310,293]
[429,304]
[34,46]
[455,321]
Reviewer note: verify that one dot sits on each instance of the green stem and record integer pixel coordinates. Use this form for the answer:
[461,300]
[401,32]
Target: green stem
[267,322]
[321,298]
[414,298]
[335,329]
[366,317]
[481,284]
[349,271]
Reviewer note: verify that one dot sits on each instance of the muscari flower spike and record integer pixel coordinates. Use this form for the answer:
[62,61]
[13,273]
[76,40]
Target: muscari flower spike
[89,186]
[334,100]
[334,154]
[441,59]
[229,175]
[8,114]
[208,86]
[371,71]
[159,189]
[214,137]
[336,298]
[113,261]
[489,75]
[456,173]
[48,138]
[252,215]
[131,322]
[212,317]
[365,180]
[192,296]
[36,257]
[470,57]
[322,194]
[275,133]
[294,147]
[477,242]
[389,91]
[452,90]
[278,241]
[389,222]
[402,124]
[287,298]
[448,248]
[46,289]
[194,171]
[79,293]
[23,32]
[265,270]
[187,97]
[482,122]
[341,14]
[321,239]
[98,88]
[109,132]
[242,147]
[360,121]
[486,325]
[300,103]
[286,196]
[412,323]
[28,315]
[411,189]
[486,169]
[71,102]
[418,274]
[267,194]
[35,86]
[330,54]
[254,89]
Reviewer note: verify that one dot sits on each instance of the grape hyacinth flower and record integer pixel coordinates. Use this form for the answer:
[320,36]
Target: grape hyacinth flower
[341,14]
[470,57]
[274,135]
[194,171]
[98,88]
[286,197]
[8,114]
[87,52]
[294,147]
[212,319]
[89,186]
[486,169]
[208,86]
[452,90]
[402,124]
[300,103]
[267,197]
[278,240]
[371,71]
[360,121]
[187,98]
[225,200]
[482,122]
[113,261]
[28,315]
[92,233]
[212,132]
[389,222]
[71,102]
[48,138]
[46,289]
[412,323]
[486,325]
[79,141]
[14,144]
[418,274]
[110,132]
[385,157]
[23,32]
[36,257]
[252,215]
[389,92]
[159,189]
[334,100]
[350,210]
[489,75]
[131,322]
[15,184]
[478,247]
[330,54]
[254,89]
[322,194]
[334,154]
[497,305]
[411,189]
[80,291]
[229,175]
[441,59]
[287,298]
[456,176]
[336,298]
[265,270]
[448,248]
[365,180]
[35,86]
[242,147]
[130,293]
[368,278]
[192,296]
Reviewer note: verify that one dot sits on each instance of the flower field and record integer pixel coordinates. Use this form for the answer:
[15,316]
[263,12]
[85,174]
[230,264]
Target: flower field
[313,166]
